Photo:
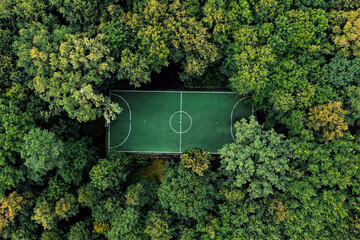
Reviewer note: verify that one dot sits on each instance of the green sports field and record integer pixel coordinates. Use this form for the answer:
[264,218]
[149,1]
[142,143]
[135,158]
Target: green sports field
[174,121]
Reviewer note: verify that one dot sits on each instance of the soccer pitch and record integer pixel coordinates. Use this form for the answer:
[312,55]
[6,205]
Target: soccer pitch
[174,121]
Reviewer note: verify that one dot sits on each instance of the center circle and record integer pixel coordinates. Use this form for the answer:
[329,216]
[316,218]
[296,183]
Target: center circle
[182,120]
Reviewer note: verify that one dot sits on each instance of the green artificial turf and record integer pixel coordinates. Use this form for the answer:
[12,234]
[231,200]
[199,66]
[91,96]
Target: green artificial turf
[172,122]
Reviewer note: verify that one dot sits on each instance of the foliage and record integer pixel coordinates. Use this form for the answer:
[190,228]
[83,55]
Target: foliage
[328,184]
[66,207]
[279,210]
[134,68]
[158,228]
[100,227]
[10,207]
[196,159]
[297,59]
[329,119]
[154,171]
[65,74]
[344,40]
[303,29]
[50,235]
[16,13]
[116,35]
[79,13]
[186,193]
[226,16]
[109,173]
[344,72]
[190,43]
[41,151]
[125,225]
[15,122]
[345,4]
[44,214]
[249,63]
[352,105]
[259,161]
[141,194]
[76,158]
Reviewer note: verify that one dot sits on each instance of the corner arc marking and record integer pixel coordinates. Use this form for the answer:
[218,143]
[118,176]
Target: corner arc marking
[127,104]
[231,118]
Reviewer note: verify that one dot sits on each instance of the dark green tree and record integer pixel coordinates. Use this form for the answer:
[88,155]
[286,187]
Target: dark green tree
[110,172]
[42,153]
[158,228]
[259,161]
[186,193]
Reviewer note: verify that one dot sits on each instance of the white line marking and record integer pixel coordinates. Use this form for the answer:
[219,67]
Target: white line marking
[180,117]
[232,112]
[172,126]
[159,152]
[124,91]
[140,91]
[129,123]
[109,125]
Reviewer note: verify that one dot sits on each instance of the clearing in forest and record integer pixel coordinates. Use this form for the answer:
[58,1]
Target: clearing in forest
[174,121]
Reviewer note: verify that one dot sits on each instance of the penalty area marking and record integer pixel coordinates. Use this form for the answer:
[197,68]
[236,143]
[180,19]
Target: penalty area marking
[172,126]
[231,118]
[127,104]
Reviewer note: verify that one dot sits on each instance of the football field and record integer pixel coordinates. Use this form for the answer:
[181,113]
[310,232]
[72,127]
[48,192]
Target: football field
[174,121]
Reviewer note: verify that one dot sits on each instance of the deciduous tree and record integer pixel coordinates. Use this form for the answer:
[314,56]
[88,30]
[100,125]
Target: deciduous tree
[10,207]
[126,225]
[196,159]
[186,193]
[110,172]
[42,153]
[67,206]
[158,228]
[65,69]
[259,161]
[328,118]
[343,72]
[352,105]
[45,215]
[344,40]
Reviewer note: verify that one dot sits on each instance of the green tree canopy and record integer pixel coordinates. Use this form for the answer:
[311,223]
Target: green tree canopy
[196,159]
[328,118]
[111,172]
[259,161]
[186,193]
[42,153]
[66,68]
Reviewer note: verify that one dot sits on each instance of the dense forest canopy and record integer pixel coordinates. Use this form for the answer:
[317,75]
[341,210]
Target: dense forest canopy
[293,172]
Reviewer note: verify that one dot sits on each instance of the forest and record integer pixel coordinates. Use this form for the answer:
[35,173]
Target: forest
[293,172]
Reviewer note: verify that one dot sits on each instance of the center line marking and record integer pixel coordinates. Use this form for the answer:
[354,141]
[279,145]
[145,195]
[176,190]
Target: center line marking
[180,117]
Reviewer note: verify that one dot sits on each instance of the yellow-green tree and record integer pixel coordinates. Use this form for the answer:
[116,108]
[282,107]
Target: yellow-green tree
[67,206]
[345,37]
[66,69]
[196,159]
[158,228]
[10,207]
[45,215]
[329,119]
